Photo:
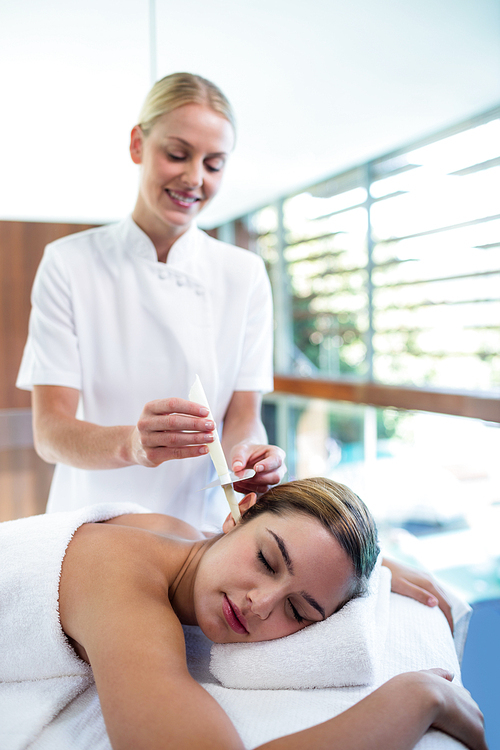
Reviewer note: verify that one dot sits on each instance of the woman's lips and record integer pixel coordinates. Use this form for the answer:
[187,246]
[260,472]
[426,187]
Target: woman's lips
[233,616]
[185,200]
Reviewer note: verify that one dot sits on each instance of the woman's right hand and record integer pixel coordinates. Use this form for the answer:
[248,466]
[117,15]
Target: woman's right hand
[170,428]
[457,713]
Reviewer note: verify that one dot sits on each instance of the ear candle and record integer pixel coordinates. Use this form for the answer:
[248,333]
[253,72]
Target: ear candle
[197,394]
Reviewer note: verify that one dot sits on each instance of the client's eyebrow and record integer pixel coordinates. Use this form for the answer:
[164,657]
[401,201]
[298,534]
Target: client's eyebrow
[284,552]
[289,566]
[314,603]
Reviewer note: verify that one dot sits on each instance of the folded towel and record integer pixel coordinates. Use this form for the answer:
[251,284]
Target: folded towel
[340,651]
[39,671]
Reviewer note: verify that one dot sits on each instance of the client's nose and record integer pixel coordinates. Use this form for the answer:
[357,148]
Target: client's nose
[262,602]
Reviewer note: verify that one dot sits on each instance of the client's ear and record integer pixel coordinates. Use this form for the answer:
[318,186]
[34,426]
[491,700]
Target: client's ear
[243,505]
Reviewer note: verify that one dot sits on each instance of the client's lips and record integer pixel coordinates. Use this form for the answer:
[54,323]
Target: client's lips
[233,616]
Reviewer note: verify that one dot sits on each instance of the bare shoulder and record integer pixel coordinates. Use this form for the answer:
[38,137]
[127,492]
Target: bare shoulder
[158,523]
[109,574]
[103,557]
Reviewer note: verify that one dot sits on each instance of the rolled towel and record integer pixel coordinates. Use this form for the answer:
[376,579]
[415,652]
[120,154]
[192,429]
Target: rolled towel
[340,651]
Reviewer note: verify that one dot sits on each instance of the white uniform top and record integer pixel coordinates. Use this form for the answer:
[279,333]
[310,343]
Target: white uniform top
[111,321]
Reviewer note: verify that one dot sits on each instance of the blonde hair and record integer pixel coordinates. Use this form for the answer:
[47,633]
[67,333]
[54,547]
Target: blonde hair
[179,89]
[338,509]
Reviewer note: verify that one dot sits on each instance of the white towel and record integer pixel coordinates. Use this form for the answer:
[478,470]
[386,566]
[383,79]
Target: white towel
[346,649]
[40,673]
[340,651]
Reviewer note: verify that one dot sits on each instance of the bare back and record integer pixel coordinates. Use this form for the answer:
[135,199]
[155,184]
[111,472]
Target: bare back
[116,611]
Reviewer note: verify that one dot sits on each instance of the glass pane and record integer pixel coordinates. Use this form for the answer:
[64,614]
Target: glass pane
[436,277]
[326,260]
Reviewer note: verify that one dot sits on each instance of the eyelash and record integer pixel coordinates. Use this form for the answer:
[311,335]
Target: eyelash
[295,613]
[208,167]
[264,562]
[271,570]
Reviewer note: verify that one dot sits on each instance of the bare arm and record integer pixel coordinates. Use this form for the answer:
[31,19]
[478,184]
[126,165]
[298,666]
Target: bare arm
[158,436]
[244,441]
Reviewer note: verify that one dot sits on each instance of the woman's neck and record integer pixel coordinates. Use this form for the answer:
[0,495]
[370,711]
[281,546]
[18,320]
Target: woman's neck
[161,235]
[181,591]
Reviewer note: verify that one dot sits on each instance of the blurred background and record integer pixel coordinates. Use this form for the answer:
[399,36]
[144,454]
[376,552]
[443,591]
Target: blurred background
[367,176]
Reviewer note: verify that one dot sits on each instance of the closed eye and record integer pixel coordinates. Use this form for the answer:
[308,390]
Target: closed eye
[295,613]
[214,167]
[264,562]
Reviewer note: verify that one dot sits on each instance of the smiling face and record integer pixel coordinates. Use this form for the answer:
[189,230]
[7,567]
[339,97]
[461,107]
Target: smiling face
[182,161]
[269,578]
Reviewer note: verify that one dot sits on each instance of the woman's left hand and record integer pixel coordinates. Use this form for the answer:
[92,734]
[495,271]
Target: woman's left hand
[420,586]
[268,461]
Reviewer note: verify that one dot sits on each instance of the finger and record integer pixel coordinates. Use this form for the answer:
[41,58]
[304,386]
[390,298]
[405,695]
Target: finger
[266,465]
[239,459]
[179,405]
[440,672]
[245,456]
[174,422]
[270,459]
[167,439]
[406,588]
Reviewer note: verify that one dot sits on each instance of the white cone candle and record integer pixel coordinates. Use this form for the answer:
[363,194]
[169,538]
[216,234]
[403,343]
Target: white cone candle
[197,394]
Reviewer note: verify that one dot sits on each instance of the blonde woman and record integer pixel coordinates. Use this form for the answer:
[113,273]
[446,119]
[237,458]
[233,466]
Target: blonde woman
[124,317]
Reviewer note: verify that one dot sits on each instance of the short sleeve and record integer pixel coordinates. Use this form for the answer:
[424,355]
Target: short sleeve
[51,355]
[256,370]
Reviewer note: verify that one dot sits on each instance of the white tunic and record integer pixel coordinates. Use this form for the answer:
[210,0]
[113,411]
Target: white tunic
[111,321]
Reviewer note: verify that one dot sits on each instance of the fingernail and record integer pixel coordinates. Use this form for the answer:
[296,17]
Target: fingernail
[202,449]
[259,467]
[209,426]
[204,412]
[432,601]
[237,465]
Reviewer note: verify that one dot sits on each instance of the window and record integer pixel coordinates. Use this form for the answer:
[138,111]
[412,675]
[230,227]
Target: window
[391,271]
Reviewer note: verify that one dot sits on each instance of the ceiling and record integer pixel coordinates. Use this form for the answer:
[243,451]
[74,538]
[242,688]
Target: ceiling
[317,87]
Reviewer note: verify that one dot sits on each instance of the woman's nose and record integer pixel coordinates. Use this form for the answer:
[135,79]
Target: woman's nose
[262,602]
[193,173]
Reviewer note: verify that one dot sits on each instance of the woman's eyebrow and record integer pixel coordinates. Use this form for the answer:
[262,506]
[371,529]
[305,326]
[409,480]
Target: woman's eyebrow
[284,552]
[313,603]
[289,566]
[186,143]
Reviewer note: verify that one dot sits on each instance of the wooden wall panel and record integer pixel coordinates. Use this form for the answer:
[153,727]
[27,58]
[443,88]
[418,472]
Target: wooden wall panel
[24,483]
[21,248]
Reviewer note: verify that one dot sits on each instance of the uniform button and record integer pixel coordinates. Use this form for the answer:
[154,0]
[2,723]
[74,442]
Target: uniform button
[163,274]
[181,282]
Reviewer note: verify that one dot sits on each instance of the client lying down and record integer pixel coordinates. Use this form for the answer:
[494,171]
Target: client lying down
[128,583]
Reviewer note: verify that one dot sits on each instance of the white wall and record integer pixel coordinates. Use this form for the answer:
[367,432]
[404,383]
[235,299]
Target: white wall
[317,86]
